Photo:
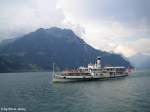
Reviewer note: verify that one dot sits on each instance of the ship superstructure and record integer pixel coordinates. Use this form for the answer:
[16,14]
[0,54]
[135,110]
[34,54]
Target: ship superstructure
[91,72]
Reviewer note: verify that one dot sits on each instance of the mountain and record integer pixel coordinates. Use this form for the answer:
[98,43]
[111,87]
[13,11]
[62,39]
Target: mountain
[140,61]
[38,50]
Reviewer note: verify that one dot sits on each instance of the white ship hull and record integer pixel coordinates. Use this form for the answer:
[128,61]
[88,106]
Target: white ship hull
[85,78]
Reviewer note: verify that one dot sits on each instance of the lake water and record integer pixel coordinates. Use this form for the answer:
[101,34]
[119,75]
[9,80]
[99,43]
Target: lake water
[34,92]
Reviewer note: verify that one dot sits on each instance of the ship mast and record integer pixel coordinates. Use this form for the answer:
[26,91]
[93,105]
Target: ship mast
[53,74]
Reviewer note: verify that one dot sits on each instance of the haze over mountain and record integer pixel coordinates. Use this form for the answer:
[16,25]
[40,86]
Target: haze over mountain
[38,50]
[140,61]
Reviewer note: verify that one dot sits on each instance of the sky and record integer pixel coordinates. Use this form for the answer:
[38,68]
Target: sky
[120,26]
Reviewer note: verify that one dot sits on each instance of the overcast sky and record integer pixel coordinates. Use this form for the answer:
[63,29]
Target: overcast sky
[121,26]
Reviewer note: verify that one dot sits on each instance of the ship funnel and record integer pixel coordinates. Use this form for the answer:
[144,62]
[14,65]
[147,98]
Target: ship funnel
[98,62]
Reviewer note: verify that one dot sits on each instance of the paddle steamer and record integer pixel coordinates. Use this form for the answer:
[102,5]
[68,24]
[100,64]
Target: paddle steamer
[91,72]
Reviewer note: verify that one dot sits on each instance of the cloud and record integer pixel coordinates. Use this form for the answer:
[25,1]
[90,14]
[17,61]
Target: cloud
[26,16]
[121,26]
[132,48]
[119,10]
[109,24]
